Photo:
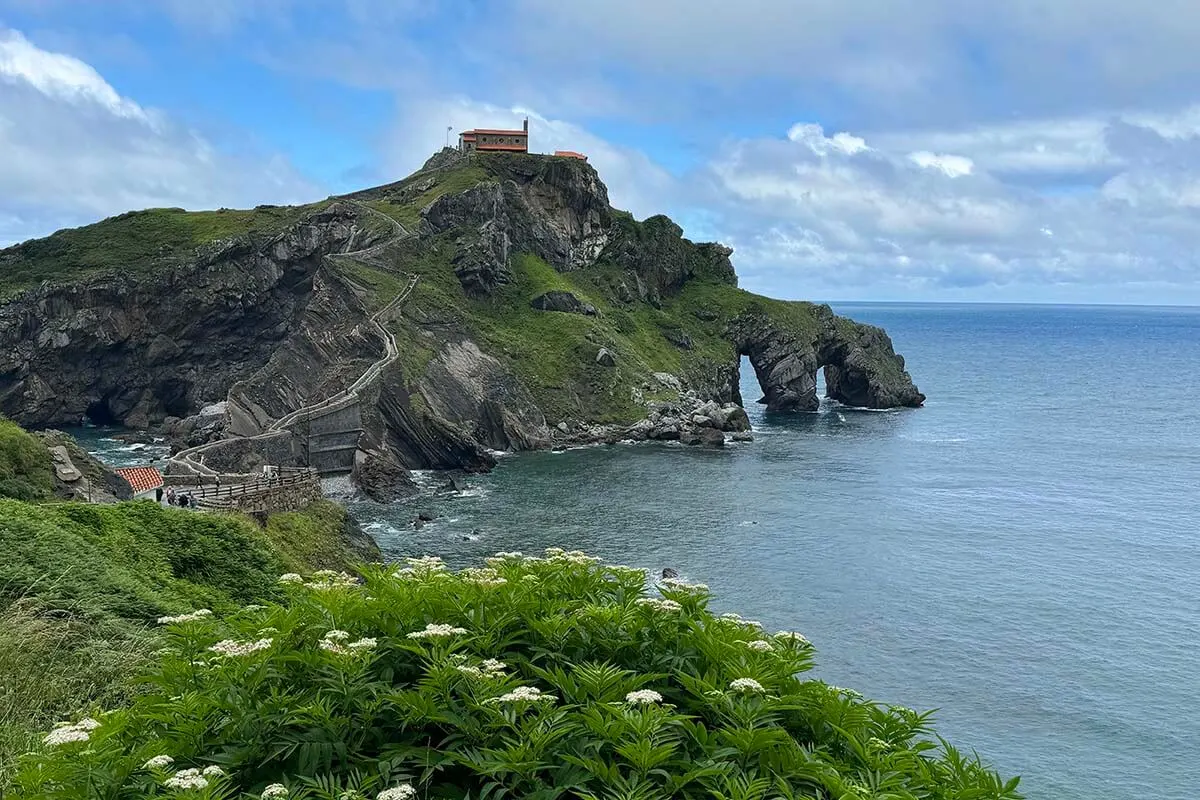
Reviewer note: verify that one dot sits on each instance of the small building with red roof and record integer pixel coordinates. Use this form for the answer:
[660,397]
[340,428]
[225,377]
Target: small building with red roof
[570,154]
[495,140]
[146,481]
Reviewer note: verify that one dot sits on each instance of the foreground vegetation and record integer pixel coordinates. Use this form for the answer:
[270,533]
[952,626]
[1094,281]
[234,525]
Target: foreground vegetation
[530,678]
[82,585]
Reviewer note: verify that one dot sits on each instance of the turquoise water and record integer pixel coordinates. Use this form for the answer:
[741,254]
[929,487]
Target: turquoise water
[1022,553]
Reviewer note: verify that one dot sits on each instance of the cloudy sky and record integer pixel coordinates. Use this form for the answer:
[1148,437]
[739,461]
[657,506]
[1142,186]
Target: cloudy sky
[1030,150]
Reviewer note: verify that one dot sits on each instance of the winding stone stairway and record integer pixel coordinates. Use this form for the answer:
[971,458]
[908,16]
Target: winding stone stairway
[335,418]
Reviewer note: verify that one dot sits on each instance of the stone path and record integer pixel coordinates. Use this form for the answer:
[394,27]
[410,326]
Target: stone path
[191,460]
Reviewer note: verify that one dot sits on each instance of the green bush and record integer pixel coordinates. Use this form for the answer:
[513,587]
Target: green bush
[537,678]
[25,469]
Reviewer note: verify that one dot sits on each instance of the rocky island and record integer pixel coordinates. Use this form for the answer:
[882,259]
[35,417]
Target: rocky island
[487,302]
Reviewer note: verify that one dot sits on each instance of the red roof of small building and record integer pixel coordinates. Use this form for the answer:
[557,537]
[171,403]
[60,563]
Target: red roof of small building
[142,479]
[570,154]
[496,132]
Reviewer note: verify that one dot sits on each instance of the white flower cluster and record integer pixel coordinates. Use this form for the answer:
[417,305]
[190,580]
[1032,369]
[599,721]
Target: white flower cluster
[683,586]
[275,790]
[333,642]
[530,694]
[331,579]
[423,567]
[760,645]
[747,686]
[738,619]
[657,604]
[570,556]
[482,576]
[186,779]
[503,557]
[643,697]
[159,762]
[435,630]
[192,617]
[877,744]
[290,577]
[798,639]
[490,668]
[847,692]
[232,647]
[402,792]
[71,732]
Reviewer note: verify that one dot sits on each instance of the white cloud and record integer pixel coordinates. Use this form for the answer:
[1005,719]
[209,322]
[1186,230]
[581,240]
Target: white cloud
[950,166]
[76,150]
[813,137]
[60,76]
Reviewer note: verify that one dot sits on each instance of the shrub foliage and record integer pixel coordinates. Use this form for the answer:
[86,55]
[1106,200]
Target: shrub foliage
[554,677]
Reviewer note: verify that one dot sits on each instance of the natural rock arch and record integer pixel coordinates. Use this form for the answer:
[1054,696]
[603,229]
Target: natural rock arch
[786,350]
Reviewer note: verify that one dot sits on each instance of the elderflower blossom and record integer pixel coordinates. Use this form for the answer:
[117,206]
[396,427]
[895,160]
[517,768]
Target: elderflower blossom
[331,579]
[554,552]
[158,762]
[760,646]
[86,724]
[435,630]
[213,772]
[486,577]
[490,668]
[231,647]
[580,557]
[186,779]
[643,697]
[740,620]
[192,617]
[746,685]
[877,744]
[493,665]
[402,792]
[64,735]
[660,605]
[791,636]
[524,694]
[275,790]
[336,635]
[503,557]
[679,585]
[467,669]
[290,577]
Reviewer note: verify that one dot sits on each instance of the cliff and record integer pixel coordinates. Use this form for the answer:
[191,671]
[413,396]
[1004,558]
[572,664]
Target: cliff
[497,302]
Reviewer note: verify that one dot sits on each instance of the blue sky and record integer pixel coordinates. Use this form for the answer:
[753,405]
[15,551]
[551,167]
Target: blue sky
[1037,151]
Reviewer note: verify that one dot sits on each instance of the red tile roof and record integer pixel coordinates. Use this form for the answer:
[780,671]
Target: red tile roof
[142,479]
[495,132]
[570,154]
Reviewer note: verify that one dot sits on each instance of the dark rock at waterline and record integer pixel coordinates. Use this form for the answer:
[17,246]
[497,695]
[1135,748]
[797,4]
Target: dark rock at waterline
[670,572]
[381,477]
[742,436]
[426,516]
[708,437]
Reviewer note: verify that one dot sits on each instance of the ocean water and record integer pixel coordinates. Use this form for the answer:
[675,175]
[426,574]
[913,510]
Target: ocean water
[1023,553]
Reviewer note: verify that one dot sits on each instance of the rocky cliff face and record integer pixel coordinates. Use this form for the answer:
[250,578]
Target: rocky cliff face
[525,313]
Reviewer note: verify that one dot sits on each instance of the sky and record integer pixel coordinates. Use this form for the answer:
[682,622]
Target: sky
[928,150]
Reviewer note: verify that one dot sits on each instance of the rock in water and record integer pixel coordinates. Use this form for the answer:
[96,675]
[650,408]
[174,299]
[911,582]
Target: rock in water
[709,437]
[381,477]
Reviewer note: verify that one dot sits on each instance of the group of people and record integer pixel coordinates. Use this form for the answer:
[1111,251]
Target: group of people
[180,499]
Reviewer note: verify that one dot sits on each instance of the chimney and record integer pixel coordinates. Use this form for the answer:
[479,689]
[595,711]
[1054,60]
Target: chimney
[527,126]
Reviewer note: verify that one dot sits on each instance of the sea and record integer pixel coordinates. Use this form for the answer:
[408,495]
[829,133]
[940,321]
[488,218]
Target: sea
[1021,554]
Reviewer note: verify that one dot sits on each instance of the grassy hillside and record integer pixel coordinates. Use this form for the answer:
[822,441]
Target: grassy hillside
[82,585]
[26,471]
[134,242]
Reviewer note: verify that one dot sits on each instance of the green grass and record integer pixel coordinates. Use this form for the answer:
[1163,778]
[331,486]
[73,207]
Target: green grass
[26,471]
[134,242]
[81,586]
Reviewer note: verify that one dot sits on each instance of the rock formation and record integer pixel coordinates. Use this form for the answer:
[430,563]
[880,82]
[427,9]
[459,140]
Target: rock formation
[496,302]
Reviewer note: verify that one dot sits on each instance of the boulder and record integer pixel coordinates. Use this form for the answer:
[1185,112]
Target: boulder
[565,302]
[708,437]
[742,436]
[381,477]
[734,418]
[605,358]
